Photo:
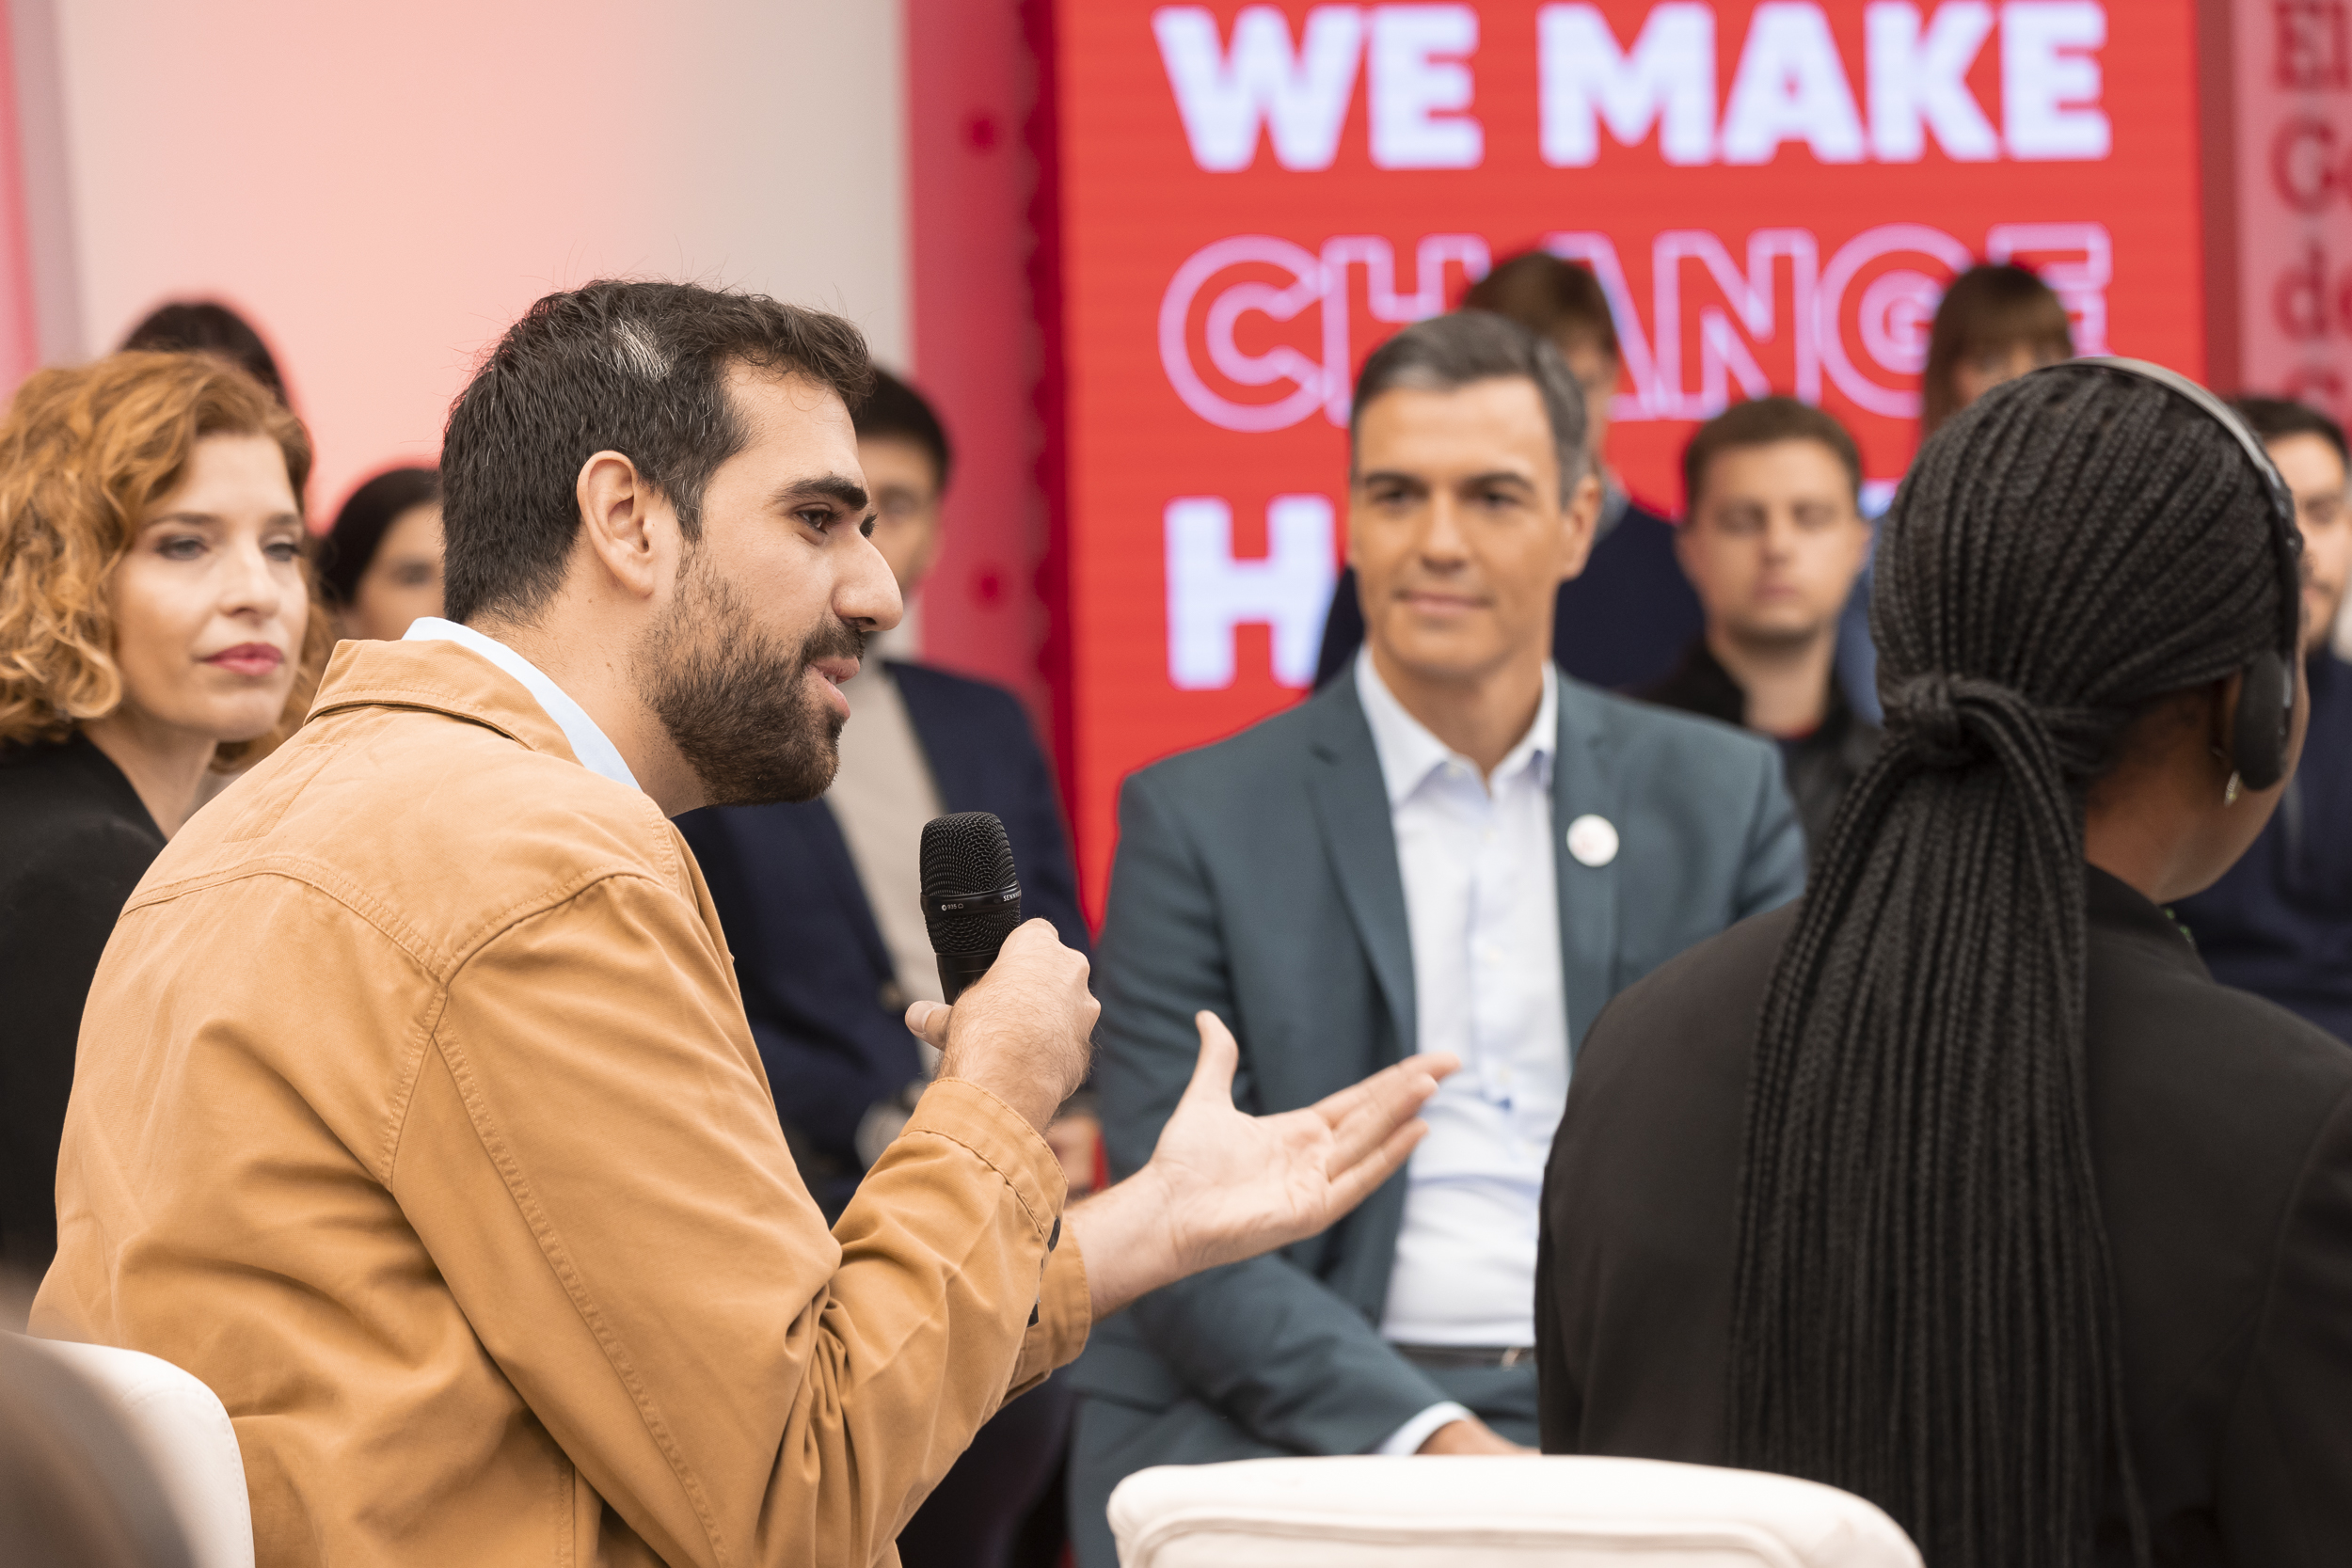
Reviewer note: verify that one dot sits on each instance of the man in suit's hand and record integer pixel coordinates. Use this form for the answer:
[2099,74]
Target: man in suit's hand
[1222,1185]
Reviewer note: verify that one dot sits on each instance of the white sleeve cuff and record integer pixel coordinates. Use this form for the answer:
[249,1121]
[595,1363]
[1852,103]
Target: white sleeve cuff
[1413,1434]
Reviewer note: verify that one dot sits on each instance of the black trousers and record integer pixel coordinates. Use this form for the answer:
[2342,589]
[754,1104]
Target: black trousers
[976,1517]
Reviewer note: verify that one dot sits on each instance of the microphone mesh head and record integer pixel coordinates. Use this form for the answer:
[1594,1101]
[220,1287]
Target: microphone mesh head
[966,853]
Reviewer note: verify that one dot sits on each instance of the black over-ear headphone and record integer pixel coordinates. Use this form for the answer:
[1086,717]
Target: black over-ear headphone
[2265,703]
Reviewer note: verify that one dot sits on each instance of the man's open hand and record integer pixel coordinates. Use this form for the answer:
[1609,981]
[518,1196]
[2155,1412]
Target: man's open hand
[1222,1186]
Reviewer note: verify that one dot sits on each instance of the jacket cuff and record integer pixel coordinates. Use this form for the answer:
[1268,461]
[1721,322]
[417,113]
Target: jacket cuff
[1065,1315]
[965,1113]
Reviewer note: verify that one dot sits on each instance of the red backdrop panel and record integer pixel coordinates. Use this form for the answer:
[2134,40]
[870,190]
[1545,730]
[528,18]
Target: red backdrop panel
[1211,318]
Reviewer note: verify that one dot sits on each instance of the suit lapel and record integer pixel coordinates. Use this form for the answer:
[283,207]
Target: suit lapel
[1351,804]
[1581,786]
[934,724]
[829,850]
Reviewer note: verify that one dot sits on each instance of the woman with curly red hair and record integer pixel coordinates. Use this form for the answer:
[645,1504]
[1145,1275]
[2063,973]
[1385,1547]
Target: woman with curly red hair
[156,621]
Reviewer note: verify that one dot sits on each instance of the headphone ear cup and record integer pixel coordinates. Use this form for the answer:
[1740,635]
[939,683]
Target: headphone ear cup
[2259,737]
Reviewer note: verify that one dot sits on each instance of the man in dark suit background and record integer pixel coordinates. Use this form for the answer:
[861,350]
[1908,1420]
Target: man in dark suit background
[1625,619]
[2279,923]
[1772,538]
[1452,846]
[819,901]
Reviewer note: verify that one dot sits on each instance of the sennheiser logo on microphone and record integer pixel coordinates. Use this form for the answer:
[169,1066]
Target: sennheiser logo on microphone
[957,903]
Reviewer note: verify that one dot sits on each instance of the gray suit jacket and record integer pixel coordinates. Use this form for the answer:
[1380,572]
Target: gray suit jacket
[1258,879]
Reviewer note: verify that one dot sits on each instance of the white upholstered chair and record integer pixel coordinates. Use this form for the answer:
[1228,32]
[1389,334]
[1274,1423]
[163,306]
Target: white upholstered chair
[182,1427]
[1501,1512]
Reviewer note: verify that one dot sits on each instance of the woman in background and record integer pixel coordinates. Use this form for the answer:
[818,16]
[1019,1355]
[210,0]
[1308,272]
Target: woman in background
[156,621]
[1995,323]
[206,326]
[381,568]
[1959,1183]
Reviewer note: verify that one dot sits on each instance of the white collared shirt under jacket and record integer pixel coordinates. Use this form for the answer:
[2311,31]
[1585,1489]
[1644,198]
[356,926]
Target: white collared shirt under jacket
[1482,906]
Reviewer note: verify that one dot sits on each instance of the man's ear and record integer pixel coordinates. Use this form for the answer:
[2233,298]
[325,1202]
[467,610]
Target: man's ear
[626,526]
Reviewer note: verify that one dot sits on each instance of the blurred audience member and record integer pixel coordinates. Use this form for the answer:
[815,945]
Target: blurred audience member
[1997,322]
[2279,922]
[822,903]
[1773,541]
[1623,619]
[1453,848]
[155,621]
[381,566]
[204,326]
[74,1487]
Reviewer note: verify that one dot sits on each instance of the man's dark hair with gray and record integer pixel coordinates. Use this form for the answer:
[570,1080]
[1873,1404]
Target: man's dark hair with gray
[1445,353]
[634,368]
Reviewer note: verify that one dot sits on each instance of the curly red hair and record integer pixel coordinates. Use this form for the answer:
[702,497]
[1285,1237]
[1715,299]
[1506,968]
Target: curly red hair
[84,453]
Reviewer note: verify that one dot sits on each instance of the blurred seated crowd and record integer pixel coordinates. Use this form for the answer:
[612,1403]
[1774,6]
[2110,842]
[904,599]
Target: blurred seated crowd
[1400,862]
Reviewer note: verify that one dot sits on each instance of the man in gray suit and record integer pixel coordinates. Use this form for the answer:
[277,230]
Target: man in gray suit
[1452,847]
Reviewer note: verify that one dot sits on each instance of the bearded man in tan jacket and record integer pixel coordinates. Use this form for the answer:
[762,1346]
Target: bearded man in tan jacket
[415,1110]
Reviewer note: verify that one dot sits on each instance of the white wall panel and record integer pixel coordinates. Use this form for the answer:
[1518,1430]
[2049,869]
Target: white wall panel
[384,188]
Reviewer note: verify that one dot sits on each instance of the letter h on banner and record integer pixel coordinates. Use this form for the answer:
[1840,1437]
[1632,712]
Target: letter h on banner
[1209,593]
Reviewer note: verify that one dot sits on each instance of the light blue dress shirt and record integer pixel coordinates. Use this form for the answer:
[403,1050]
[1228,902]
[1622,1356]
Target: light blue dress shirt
[1482,906]
[595,752]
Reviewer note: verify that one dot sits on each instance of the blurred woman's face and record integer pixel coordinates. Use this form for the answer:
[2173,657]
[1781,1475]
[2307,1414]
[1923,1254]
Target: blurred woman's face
[209,603]
[403,581]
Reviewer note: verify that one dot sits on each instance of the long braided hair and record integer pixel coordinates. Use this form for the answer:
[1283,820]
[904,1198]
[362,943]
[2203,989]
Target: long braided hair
[1923,1311]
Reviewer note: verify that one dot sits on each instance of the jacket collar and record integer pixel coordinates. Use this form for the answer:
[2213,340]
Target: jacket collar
[2115,905]
[440,677]
[589,743]
[1409,753]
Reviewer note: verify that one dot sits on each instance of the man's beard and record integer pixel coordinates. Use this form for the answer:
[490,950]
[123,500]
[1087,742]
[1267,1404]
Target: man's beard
[737,702]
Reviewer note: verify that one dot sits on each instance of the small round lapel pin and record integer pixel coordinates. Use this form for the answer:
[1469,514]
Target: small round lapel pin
[1593,841]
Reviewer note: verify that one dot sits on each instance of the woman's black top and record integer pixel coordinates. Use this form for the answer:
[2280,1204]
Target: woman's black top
[2222,1134]
[75,840]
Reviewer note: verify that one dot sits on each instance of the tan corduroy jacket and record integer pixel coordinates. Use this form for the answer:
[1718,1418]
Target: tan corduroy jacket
[417,1114]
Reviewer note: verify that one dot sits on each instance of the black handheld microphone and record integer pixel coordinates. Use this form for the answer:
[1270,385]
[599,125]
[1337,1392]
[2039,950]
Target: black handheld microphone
[971,895]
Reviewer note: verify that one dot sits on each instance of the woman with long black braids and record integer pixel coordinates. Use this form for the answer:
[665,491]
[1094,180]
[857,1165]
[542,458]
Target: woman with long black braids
[1959,1183]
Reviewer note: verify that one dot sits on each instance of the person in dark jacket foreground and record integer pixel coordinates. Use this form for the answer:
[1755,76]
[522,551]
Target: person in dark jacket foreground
[1960,1185]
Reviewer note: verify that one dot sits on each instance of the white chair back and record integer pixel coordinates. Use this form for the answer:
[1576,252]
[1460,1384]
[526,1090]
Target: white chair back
[185,1434]
[1499,1511]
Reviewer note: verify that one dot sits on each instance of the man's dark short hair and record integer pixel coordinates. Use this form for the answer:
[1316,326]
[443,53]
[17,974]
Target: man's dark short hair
[1445,353]
[894,408]
[1552,299]
[634,368]
[2276,418]
[1764,422]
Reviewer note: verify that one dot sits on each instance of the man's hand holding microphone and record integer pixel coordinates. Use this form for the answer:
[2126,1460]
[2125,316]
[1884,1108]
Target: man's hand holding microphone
[1220,1185]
